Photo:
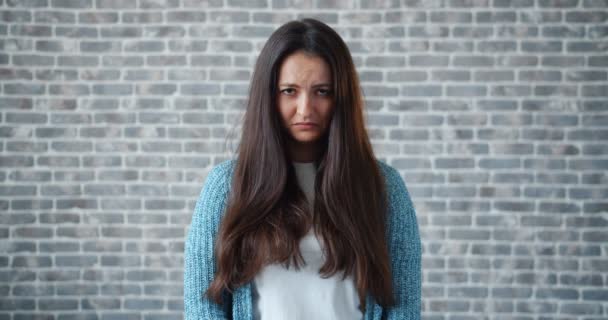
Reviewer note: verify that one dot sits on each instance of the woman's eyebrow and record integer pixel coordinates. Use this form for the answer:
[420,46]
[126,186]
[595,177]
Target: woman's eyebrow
[314,86]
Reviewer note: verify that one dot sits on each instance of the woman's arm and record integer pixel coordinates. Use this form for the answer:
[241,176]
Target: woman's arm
[405,250]
[199,262]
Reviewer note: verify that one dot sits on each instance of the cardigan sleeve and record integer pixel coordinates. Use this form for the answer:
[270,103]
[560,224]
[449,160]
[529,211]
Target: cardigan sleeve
[199,261]
[405,249]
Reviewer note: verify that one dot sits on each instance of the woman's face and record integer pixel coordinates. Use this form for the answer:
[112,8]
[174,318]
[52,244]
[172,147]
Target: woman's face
[305,97]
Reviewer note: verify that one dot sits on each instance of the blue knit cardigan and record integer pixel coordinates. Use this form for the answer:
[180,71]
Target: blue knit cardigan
[199,265]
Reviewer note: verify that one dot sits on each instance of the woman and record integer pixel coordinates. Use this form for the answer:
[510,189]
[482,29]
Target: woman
[305,189]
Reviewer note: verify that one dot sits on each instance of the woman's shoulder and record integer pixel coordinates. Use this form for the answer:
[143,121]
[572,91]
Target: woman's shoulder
[222,170]
[217,182]
[224,167]
[389,172]
[394,181]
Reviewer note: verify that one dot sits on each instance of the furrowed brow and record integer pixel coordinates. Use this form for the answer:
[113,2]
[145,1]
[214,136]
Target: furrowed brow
[297,86]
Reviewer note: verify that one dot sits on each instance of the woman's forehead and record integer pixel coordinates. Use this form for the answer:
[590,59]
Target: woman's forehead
[304,68]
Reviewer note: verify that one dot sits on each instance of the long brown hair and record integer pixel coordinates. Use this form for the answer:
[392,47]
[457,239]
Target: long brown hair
[267,214]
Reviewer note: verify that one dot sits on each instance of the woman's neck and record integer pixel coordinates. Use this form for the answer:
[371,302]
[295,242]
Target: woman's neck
[304,152]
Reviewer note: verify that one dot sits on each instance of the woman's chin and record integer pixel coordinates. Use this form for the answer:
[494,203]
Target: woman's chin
[306,138]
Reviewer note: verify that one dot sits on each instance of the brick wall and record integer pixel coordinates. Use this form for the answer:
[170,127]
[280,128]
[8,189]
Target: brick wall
[112,113]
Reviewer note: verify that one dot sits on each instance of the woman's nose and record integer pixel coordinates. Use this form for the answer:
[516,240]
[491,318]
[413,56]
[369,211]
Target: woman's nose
[304,104]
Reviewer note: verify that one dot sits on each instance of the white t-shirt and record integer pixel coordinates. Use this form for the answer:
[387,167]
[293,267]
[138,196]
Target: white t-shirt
[280,293]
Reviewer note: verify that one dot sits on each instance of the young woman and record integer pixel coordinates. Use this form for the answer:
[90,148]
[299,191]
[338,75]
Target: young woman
[305,223]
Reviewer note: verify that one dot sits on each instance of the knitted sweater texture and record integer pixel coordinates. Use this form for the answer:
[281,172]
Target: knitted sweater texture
[403,238]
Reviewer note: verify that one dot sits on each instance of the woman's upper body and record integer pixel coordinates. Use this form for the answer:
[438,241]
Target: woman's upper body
[403,242]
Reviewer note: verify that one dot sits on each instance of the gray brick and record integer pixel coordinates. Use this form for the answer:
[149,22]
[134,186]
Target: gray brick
[114,4]
[465,90]
[421,90]
[78,316]
[54,16]
[27,3]
[163,233]
[595,120]
[120,289]
[121,232]
[15,246]
[31,261]
[121,32]
[454,163]
[100,46]
[30,30]
[428,61]
[589,222]
[468,292]
[145,247]
[186,16]
[58,246]
[76,261]
[499,163]
[405,16]
[496,134]
[580,308]
[146,275]
[566,150]
[515,61]
[452,46]
[471,32]
[120,316]
[511,293]
[413,76]
[586,16]
[78,232]
[230,17]
[33,232]
[68,89]
[483,220]
[163,316]
[497,46]
[600,295]
[585,279]
[153,4]
[248,4]
[593,236]
[449,305]
[385,62]
[100,303]
[473,61]
[199,89]
[76,289]
[17,304]
[451,17]
[155,290]
[15,275]
[484,249]
[496,17]
[72,4]
[120,261]
[32,290]
[23,89]
[468,234]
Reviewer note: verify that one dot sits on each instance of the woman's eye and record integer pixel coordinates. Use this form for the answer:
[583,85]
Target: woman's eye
[324,92]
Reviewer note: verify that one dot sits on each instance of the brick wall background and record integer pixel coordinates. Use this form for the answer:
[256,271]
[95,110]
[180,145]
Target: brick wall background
[112,112]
